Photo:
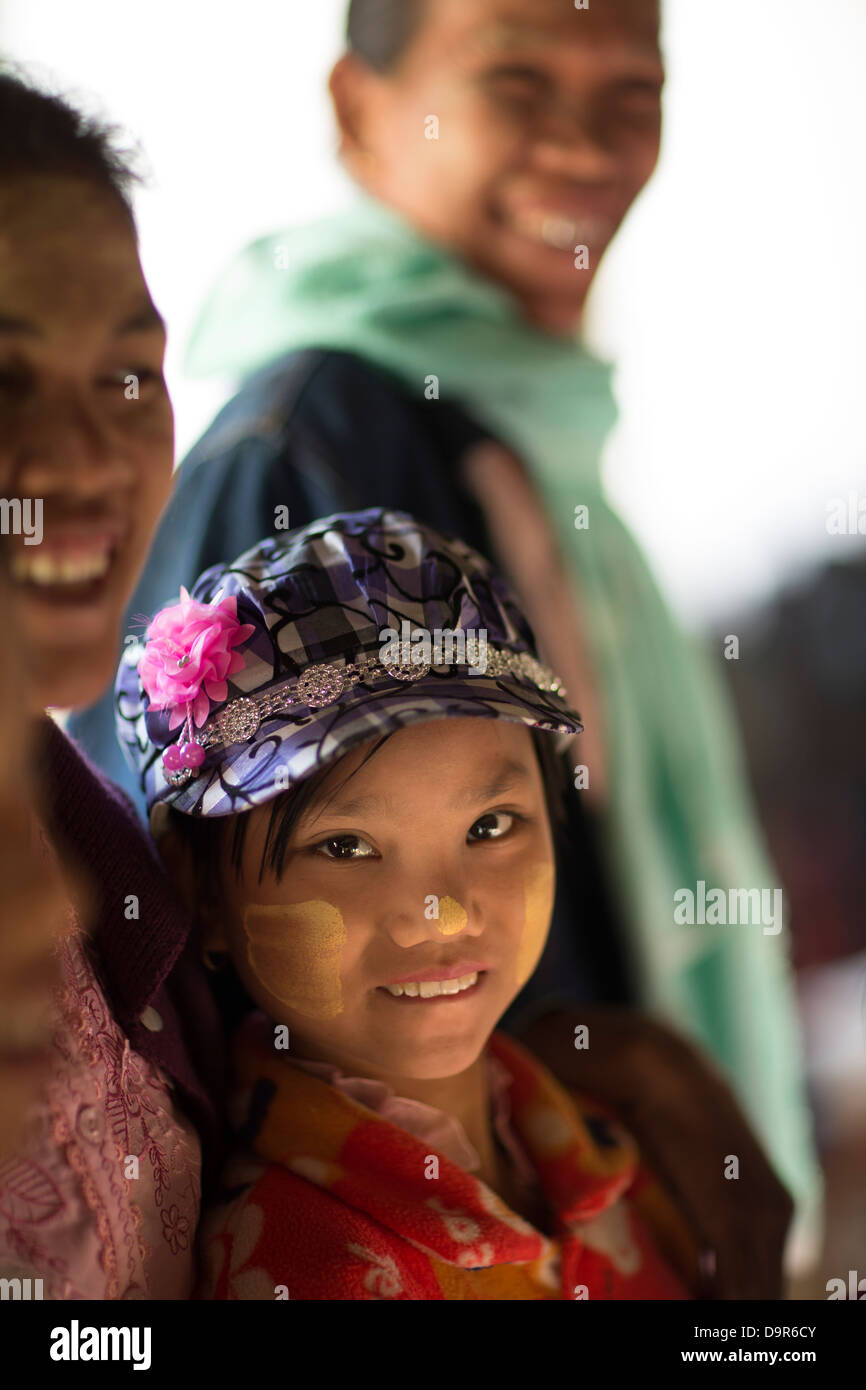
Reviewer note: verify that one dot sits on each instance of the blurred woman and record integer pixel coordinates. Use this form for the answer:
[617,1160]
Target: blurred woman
[110,1059]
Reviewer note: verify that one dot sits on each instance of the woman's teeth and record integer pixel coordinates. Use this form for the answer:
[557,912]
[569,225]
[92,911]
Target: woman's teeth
[427,989]
[561,232]
[44,568]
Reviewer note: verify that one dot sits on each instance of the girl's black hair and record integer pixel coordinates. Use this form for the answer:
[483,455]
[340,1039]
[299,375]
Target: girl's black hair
[42,133]
[380,31]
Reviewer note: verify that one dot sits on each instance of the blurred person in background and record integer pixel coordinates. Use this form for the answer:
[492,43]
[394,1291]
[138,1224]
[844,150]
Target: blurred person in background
[422,351]
[110,1047]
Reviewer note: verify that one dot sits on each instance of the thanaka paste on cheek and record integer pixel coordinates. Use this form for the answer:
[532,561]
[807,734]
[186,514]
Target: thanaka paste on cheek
[294,951]
[452,917]
[538,904]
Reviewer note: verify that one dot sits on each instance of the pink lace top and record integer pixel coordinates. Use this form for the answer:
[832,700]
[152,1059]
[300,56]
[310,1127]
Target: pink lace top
[102,1201]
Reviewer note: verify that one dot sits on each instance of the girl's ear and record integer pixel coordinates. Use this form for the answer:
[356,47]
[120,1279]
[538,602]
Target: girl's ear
[176,855]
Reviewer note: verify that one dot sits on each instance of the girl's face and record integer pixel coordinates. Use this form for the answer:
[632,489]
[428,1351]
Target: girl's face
[85,427]
[434,861]
[513,131]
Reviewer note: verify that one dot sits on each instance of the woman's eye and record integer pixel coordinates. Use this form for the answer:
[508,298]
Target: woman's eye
[13,379]
[344,847]
[639,101]
[518,81]
[491,827]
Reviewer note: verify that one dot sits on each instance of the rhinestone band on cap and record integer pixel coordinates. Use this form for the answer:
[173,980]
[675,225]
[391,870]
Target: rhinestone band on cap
[325,683]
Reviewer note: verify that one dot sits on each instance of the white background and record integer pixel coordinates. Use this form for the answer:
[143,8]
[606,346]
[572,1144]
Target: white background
[734,300]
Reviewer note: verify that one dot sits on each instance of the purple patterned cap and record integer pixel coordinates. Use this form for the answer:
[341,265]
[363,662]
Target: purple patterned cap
[313,643]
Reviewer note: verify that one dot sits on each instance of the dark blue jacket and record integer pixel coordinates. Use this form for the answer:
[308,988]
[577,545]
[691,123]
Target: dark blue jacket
[320,431]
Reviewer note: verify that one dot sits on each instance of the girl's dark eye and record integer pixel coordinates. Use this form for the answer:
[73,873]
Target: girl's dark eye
[343,847]
[490,829]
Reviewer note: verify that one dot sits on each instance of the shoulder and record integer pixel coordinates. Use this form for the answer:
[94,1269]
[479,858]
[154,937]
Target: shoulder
[94,821]
[334,396]
[313,433]
[85,806]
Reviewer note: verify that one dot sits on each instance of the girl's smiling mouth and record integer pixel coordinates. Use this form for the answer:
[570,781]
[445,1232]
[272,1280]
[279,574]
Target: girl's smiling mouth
[435,991]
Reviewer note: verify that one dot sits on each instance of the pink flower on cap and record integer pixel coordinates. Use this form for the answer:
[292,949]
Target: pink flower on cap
[188,656]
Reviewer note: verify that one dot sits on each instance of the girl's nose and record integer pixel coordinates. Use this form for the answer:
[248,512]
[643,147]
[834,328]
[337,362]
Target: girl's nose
[433,918]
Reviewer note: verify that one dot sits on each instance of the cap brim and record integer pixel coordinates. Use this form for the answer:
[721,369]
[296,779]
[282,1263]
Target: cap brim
[291,746]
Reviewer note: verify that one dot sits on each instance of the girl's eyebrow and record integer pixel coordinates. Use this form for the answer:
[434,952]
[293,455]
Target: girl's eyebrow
[507,775]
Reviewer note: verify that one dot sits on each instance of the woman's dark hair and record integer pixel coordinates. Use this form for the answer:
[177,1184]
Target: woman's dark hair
[380,31]
[41,133]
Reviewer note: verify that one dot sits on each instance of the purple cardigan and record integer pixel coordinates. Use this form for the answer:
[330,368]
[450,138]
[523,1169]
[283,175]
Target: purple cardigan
[145,964]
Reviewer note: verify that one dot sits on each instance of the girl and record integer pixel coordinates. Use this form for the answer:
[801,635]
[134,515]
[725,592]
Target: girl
[367,832]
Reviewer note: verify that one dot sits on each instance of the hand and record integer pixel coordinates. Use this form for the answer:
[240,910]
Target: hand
[685,1118]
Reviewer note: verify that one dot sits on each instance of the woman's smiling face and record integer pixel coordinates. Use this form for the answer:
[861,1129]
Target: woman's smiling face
[547,126]
[448,816]
[85,425]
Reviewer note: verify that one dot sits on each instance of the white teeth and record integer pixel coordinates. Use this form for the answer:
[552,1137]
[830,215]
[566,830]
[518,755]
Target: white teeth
[45,568]
[560,231]
[428,989]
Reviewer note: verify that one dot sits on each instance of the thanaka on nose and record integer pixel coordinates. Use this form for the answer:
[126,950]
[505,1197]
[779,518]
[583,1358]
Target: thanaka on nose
[452,916]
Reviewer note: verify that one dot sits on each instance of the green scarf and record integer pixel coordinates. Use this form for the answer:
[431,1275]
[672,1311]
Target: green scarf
[366,282]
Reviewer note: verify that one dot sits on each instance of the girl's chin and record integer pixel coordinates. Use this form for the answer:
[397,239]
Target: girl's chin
[433,1059]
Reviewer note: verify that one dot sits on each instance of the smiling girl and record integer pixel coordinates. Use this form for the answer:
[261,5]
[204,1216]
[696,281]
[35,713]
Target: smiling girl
[372,847]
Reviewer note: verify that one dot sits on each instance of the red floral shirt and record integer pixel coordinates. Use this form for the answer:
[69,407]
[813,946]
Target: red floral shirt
[333,1201]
